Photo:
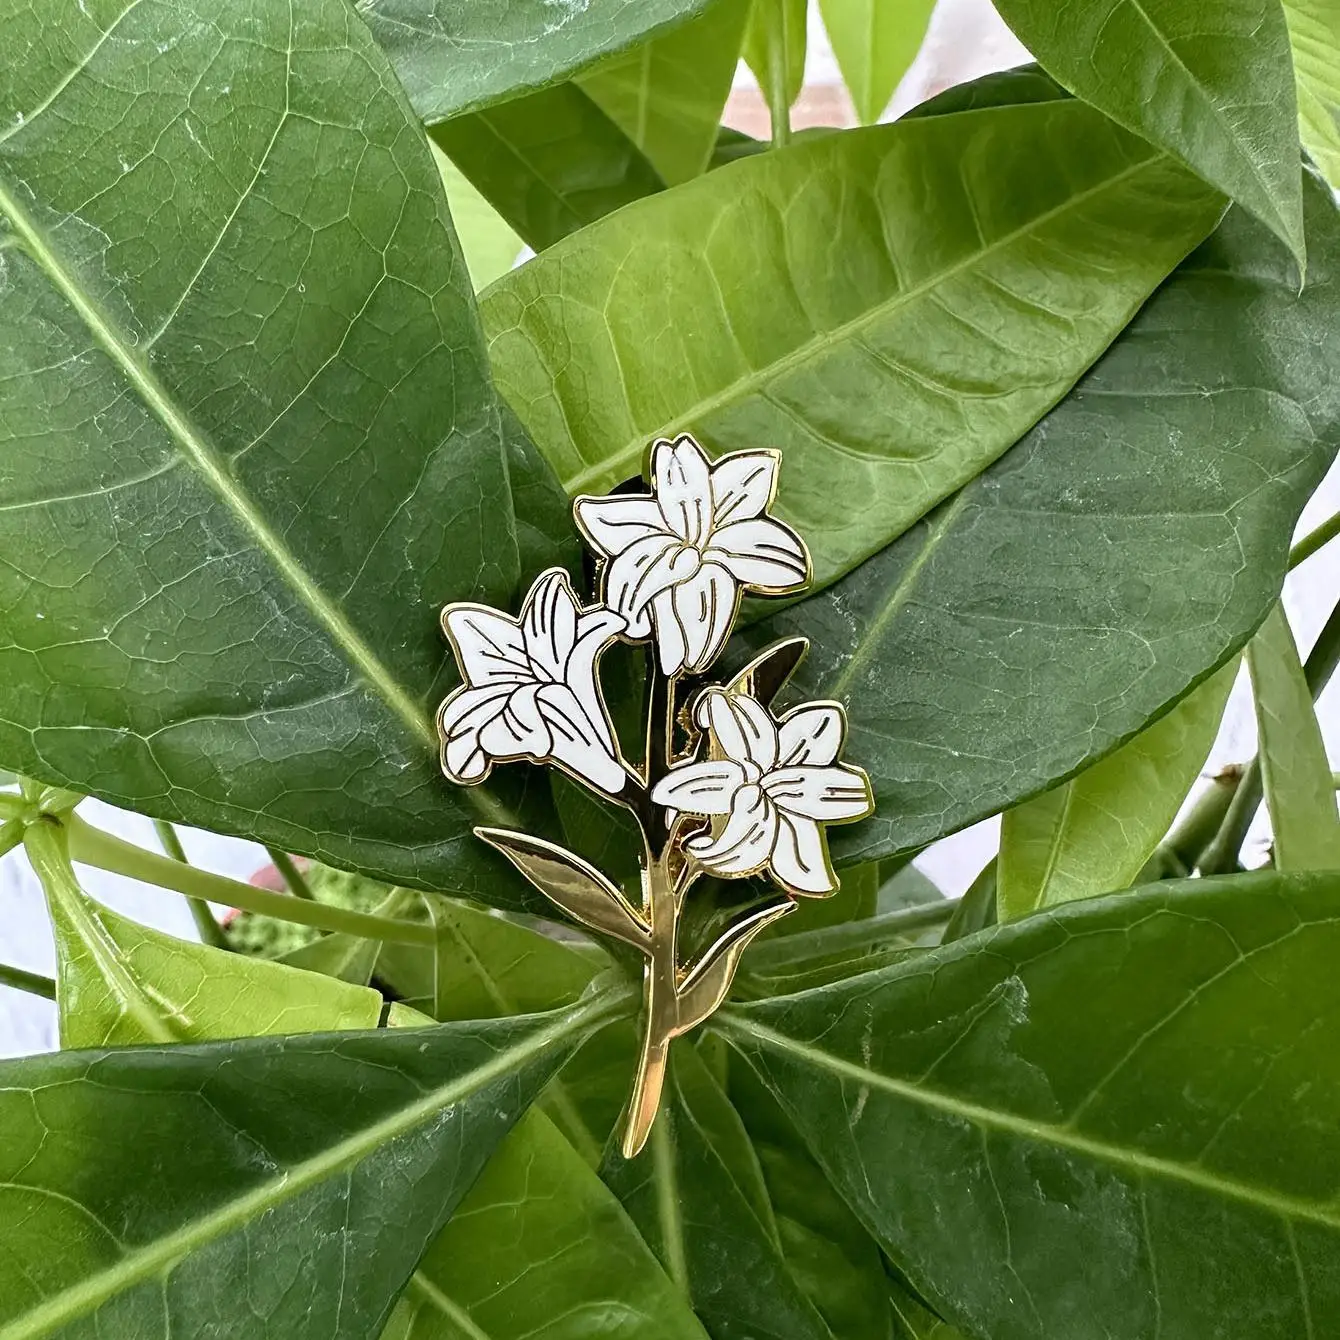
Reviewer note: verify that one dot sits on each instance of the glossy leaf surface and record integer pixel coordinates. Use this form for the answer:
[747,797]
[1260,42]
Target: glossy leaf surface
[1121,551]
[489,245]
[243,396]
[874,43]
[1109,1119]
[454,58]
[1314,34]
[890,307]
[668,94]
[1295,773]
[549,163]
[1212,84]
[1093,834]
[314,1168]
[541,1249]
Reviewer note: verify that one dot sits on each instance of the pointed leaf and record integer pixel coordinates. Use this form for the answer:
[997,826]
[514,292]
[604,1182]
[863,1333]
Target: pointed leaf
[967,303]
[684,1198]
[709,980]
[454,58]
[549,163]
[1212,84]
[1093,834]
[120,983]
[1295,773]
[316,1169]
[1026,628]
[775,46]
[1314,35]
[573,884]
[874,43]
[669,93]
[233,469]
[540,1249]
[1112,1118]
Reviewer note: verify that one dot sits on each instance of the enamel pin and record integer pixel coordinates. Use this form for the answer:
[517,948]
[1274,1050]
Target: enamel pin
[725,787]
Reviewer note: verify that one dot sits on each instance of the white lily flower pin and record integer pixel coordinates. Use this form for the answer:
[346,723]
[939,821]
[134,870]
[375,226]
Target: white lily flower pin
[768,784]
[678,559]
[530,688]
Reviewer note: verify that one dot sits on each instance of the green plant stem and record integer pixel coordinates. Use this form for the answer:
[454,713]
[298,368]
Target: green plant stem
[290,874]
[1221,857]
[1314,540]
[779,109]
[94,847]
[789,950]
[31,982]
[211,933]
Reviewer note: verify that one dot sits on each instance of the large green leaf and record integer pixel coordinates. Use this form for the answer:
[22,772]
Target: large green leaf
[874,42]
[251,446]
[489,245]
[668,94]
[540,1249]
[891,307]
[1211,83]
[550,162]
[1118,554]
[1113,1118]
[686,1195]
[120,983]
[453,57]
[1295,773]
[1314,33]
[262,1189]
[1093,834]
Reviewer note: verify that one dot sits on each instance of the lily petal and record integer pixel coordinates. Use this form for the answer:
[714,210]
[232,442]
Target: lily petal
[811,734]
[683,487]
[742,485]
[518,730]
[705,605]
[745,843]
[741,726]
[489,646]
[549,623]
[459,721]
[672,638]
[830,794]
[612,524]
[762,554]
[577,740]
[800,856]
[645,569]
[596,630]
[700,788]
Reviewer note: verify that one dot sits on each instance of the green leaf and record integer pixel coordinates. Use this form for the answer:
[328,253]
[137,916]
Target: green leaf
[1314,34]
[487,241]
[915,1320]
[540,1249]
[668,94]
[774,49]
[828,1250]
[120,983]
[1113,1118]
[874,43]
[315,1169]
[454,58]
[545,534]
[685,1194]
[1212,84]
[550,162]
[1295,774]
[1093,834]
[244,396]
[857,898]
[987,259]
[1090,578]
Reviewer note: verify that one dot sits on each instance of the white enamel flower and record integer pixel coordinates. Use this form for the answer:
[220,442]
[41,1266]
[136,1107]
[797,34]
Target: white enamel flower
[679,558]
[773,782]
[530,688]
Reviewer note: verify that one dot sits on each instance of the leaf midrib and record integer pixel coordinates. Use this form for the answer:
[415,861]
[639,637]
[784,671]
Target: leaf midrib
[160,1257]
[199,452]
[730,1021]
[632,451]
